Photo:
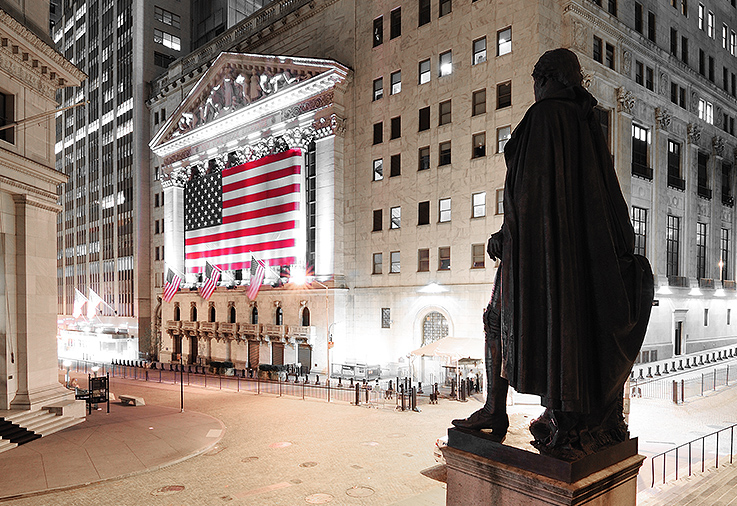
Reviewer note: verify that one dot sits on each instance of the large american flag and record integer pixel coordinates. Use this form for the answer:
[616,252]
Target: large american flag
[251,208]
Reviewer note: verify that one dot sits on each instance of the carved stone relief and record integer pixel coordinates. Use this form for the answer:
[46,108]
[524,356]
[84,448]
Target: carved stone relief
[662,118]
[694,133]
[717,143]
[626,62]
[664,84]
[588,77]
[579,35]
[626,100]
[694,102]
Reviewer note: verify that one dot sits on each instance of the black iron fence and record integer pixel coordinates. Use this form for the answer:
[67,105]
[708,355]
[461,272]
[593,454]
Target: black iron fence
[695,455]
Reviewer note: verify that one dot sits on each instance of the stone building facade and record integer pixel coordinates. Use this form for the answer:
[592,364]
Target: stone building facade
[436,88]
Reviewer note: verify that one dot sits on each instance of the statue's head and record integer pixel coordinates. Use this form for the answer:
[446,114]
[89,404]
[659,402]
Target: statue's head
[556,68]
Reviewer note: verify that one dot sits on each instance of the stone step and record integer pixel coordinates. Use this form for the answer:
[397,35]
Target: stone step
[39,421]
[59,423]
[697,489]
[6,445]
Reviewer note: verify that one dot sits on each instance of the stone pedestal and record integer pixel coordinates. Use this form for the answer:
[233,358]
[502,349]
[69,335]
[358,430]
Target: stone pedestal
[482,472]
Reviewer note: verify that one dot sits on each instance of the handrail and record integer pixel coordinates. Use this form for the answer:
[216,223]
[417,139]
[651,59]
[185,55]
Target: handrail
[703,451]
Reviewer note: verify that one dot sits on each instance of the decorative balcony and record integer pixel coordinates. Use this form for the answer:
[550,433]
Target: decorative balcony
[676,182]
[208,329]
[227,330]
[706,283]
[190,328]
[275,332]
[727,199]
[728,284]
[249,331]
[680,281]
[642,171]
[703,192]
[173,327]
[302,334]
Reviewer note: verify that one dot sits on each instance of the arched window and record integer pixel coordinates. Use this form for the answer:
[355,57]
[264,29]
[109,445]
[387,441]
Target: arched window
[306,317]
[279,320]
[212,313]
[231,316]
[254,315]
[434,327]
[193,314]
[177,314]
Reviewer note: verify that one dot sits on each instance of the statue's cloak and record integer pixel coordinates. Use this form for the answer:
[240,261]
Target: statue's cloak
[575,298]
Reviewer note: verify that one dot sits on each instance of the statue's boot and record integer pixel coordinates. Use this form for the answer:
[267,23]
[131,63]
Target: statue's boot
[494,413]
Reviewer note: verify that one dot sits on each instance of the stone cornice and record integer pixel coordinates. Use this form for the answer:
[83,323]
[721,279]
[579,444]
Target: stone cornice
[13,162]
[29,200]
[26,189]
[45,60]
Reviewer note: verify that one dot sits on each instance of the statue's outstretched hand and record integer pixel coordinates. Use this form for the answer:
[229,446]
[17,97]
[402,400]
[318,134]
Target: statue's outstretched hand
[494,247]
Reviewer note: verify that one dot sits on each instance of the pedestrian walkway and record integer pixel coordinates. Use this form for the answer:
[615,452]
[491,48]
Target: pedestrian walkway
[127,441]
[715,487]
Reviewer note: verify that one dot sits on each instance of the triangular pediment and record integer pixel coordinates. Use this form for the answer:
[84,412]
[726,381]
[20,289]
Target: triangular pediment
[240,82]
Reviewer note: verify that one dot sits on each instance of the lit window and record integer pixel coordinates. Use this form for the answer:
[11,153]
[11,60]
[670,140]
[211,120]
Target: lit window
[378,88]
[479,51]
[396,82]
[379,169]
[167,40]
[425,71]
[478,202]
[502,136]
[706,111]
[444,210]
[710,24]
[166,17]
[479,145]
[394,262]
[702,13]
[396,217]
[504,41]
[446,63]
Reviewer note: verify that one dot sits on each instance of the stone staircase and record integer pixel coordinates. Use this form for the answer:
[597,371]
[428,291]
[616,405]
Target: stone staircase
[713,487]
[21,427]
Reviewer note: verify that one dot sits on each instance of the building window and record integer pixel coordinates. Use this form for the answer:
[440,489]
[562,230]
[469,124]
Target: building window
[502,136]
[386,318]
[639,73]
[377,263]
[434,327]
[378,88]
[424,71]
[638,17]
[379,132]
[706,111]
[444,112]
[651,25]
[727,198]
[478,256]
[674,166]
[396,217]
[702,186]
[478,102]
[609,55]
[639,223]
[445,63]
[156,200]
[7,116]
[684,49]
[710,24]
[672,243]
[395,264]
[479,145]
[424,12]
[396,82]
[725,265]
[702,15]
[706,317]
[500,201]
[395,165]
[423,260]
[166,17]
[640,141]
[378,31]
[649,80]
[424,119]
[378,220]
[395,23]
[395,130]
[479,51]
[163,60]
[597,52]
[711,69]
[444,210]
[446,7]
[167,40]
[733,43]
[444,153]
[444,258]
[702,62]
[157,253]
[478,205]
[503,95]
[378,169]
[700,250]
[423,213]
[612,7]
[504,41]
[156,227]
[423,158]
[673,41]
[725,36]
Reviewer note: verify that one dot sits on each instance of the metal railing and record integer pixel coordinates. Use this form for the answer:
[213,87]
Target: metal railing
[692,460]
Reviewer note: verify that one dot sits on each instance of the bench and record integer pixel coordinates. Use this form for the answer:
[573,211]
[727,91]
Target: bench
[131,400]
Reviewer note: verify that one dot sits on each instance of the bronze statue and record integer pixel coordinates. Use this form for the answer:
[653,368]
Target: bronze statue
[571,300]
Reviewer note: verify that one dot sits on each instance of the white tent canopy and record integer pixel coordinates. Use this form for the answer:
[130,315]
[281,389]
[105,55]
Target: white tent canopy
[454,348]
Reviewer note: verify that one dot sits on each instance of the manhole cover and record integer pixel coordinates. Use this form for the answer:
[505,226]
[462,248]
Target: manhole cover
[370,443]
[318,498]
[308,464]
[359,491]
[395,435]
[281,444]
[168,490]
[249,459]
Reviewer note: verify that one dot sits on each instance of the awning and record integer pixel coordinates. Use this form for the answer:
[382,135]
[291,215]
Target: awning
[456,348]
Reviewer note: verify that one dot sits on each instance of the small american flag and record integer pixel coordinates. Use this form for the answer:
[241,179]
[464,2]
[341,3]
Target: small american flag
[172,285]
[257,277]
[212,273]
[253,207]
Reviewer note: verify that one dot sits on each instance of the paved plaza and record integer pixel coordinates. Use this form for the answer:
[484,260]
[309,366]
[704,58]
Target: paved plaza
[251,449]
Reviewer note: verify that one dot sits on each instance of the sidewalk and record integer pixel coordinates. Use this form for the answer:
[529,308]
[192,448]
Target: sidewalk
[127,441]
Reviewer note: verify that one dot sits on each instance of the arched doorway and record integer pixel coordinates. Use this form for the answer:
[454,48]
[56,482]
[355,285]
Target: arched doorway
[231,318]
[306,317]
[212,313]
[434,326]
